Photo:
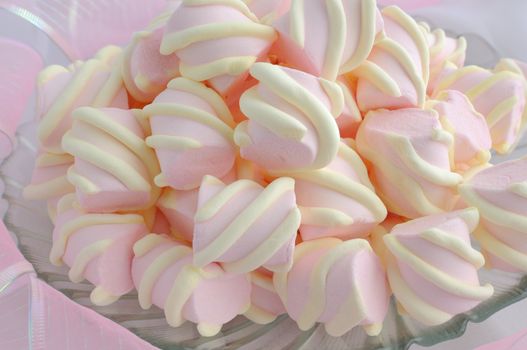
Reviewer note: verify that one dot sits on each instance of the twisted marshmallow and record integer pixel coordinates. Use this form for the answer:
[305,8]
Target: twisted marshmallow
[396,73]
[146,72]
[500,194]
[191,133]
[409,153]
[49,180]
[340,284]
[291,119]
[468,128]
[96,247]
[327,38]
[265,302]
[244,225]
[520,68]
[163,274]
[96,82]
[114,167]
[432,268]
[442,49]
[499,96]
[338,200]
[216,41]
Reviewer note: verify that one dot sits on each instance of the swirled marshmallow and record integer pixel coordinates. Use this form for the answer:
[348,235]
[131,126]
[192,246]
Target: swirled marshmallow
[341,284]
[216,41]
[500,194]
[244,225]
[338,200]
[96,247]
[432,268]
[96,82]
[163,274]
[409,155]
[291,119]
[113,168]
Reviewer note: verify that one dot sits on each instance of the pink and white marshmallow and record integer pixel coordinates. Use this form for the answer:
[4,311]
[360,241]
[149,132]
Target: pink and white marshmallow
[396,73]
[291,119]
[246,226]
[326,38]
[191,133]
[472,141]
[409,155]
[164,275]
[265,302]
[96,247]
[96,82]
[338,200]
[499,96]
[432,267]
[216,41]
[500,194]
[114,167]
[340,284]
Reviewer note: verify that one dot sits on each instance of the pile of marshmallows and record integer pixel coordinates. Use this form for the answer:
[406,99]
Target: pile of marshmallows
[243,157]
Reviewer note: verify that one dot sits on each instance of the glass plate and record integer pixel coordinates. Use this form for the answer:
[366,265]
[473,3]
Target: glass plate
[29,222]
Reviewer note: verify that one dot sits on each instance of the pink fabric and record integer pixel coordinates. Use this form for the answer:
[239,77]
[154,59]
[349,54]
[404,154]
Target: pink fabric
[517,341]
[409,5]
[19,66]
[81,27]
[36,316]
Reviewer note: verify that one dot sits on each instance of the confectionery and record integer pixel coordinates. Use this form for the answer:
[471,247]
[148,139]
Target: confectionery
[246,226]
[432,268]
[291,119]
[191,133]
[472,142]
[96,247]
[341,39]
[499,96]
[113,166]
[49,181]
[216,41]
[96,82]
[500,194]
[338,200]
[145,71]
[265,302]
[163,274]
[346,273]
[395,74]
[410,166]
[442,49]
[256,158]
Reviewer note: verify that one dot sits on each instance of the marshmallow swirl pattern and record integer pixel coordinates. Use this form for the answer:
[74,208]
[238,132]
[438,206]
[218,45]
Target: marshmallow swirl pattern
[340,284]
[245,226]
[164,275]
[500,194]
[499,96]
[409,153]
[265,302]
[338,200]
[396,73]
[291,119]
[216,41]
[472,142]
[146,72]
[96,247]
[96,82]
[114,167]
[432,268]
[191,133]
[339,42]
[443,49]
